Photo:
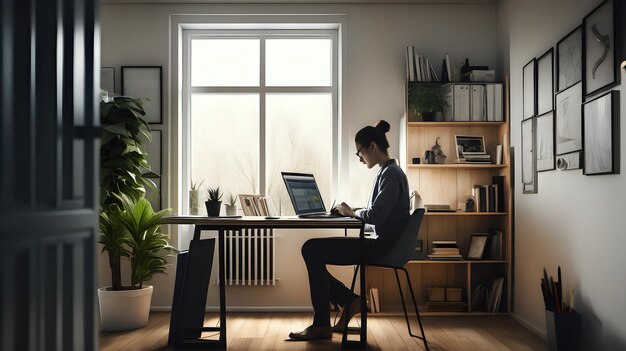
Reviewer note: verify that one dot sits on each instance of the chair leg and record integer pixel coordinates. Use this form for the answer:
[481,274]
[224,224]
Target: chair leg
[356,270]
[417,313]
[406,315]
[344,337]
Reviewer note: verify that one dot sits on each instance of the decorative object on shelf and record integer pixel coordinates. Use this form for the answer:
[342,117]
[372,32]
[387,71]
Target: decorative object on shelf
[568,161]
[429,158]
[107,79]
[213,203]
[529,91]
[146,82]
[425,101]
[529,169]
[415,161]
[545,142]
[568,136]
[439,156]
[601,54]
[470,204]
[231,205]
[477,245]
[545,82]
[569,58]
[194,195]
[600,135]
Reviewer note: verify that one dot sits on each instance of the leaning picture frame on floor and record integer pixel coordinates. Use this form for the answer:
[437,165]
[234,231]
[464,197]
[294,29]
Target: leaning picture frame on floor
[145,82]
[529,168]
[601,134]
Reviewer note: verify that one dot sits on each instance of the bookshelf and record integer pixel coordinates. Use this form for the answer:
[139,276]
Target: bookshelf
[451,183]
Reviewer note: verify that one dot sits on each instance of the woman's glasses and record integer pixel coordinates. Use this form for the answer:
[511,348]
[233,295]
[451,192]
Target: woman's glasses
[358,152]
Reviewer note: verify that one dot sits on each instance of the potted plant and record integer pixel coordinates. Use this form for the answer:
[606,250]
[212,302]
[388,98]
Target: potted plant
[193,197]
[425,100]
[231,205]
[213,203]
[146,246]
[122,159]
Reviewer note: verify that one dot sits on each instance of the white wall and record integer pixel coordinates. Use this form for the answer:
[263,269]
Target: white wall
[135,34]
[575,221]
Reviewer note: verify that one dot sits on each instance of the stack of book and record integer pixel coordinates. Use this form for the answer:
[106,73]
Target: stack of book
[255,205]
[490,197]
[482,158]
[445,250]
[420,69]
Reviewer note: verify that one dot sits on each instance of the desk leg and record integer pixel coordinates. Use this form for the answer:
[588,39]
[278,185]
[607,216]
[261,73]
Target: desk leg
[222,273]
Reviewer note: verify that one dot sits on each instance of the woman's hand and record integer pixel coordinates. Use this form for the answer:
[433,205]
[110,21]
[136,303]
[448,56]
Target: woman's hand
[344,209]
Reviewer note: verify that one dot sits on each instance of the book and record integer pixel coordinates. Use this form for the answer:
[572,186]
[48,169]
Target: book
[477,103]
[499,183]
[461,103]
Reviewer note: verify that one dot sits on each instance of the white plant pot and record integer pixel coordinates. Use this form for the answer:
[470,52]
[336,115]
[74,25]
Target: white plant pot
[124,309]
[193,202]
[231,210]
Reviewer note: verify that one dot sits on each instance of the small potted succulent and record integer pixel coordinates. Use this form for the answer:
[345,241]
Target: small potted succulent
[231,205]
[193,197]
[213,203]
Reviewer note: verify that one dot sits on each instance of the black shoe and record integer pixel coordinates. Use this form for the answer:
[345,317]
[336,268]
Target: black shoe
[354,307]
[313,333]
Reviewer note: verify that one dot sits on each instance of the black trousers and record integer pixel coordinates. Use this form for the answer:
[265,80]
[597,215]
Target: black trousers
[342,251]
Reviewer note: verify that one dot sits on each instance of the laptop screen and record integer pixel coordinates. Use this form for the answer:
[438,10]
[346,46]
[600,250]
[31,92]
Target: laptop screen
[303,192]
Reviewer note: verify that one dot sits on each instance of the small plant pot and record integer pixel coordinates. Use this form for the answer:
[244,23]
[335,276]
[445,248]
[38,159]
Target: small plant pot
[124,309]
[193,202]
[213,208]
[231,210]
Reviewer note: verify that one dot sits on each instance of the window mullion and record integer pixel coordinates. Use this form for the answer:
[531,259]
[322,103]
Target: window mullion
[262,122]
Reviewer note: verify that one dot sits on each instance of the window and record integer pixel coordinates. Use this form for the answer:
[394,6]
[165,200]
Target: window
[257,103]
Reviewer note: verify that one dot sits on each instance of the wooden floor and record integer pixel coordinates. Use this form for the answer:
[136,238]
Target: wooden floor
[269,331]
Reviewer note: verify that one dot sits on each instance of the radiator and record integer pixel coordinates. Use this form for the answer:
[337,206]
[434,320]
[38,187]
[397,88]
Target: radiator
[249,257]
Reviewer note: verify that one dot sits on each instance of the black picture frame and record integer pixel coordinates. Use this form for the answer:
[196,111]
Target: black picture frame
[529,89]
[601,134]
[602,47]
[568,120]
[107,79]
[145,82]
[569,59]
[477,246]
[529,161]
[545,142]
[545,82]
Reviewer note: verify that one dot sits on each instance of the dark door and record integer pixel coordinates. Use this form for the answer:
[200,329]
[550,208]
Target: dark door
[48,178]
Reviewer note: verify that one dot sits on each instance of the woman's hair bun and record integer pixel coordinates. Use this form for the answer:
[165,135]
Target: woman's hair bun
[383,126]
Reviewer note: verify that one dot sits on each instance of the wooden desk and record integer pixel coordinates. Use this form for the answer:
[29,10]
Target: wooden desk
[222,224]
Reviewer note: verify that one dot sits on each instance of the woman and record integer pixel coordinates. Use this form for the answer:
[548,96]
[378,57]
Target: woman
[388,212]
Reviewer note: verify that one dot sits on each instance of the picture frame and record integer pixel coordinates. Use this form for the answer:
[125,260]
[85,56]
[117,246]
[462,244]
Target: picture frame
[529,161]
[568,121]
[469,145]
[145,82]
[107,79]
[529,89]
[569,161]
[477,246]
[155,152]
[601,134]
[545,82]
[569,59]
[545,142]
[600,58]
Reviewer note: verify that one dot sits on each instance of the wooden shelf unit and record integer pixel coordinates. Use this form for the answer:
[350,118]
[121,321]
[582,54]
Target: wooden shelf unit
[451,183]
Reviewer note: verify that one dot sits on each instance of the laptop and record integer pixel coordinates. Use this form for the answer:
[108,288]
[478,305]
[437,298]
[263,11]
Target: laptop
[305,196]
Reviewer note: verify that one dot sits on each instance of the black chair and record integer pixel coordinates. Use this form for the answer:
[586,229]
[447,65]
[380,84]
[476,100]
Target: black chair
[399,255]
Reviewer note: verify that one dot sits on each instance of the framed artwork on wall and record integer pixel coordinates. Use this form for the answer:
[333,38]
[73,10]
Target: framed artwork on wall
[569,161]
[568,136]
[545,142]
[545,82]
[529,89]
[601,134]
[145,82]
[600,57]
[569,59]
[107,79]
[529,169]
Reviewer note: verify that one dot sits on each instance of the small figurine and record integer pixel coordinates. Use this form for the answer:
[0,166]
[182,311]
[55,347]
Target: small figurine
[440,157]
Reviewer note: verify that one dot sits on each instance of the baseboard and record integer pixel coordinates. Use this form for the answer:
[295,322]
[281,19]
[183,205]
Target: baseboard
[244,309]
[530,326]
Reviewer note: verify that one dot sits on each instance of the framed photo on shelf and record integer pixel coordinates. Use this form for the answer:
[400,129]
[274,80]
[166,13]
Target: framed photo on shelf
[568,136]
[107,79]
[545,142]
[145,82]
[529,91]
[545,82]
[529,168]
[469,145]
[569,59]
[477,245]
[600,134]
[600,58]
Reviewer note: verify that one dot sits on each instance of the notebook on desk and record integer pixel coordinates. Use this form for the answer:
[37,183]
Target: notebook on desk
[305,196]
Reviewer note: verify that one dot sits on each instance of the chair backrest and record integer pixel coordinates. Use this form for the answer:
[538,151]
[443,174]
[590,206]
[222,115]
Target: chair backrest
[404,247]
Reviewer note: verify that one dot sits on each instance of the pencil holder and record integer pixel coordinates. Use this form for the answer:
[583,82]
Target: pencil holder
[563,330]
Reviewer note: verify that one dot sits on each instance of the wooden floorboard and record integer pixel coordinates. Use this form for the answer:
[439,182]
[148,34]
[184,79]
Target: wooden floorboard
[270,331]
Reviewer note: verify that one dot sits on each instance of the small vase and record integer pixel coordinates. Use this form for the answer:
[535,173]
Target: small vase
[213,208]
[231,210]
[193,202]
